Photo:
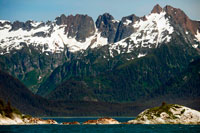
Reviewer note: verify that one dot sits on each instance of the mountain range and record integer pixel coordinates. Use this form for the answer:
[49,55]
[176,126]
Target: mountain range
[150,58]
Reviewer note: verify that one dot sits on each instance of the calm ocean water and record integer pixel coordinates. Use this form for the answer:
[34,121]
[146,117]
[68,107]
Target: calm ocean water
[98,128]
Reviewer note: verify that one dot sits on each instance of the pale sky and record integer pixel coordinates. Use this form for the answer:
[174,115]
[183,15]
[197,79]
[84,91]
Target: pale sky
[43,10]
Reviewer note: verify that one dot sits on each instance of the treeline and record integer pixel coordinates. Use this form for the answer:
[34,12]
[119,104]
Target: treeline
[6,110]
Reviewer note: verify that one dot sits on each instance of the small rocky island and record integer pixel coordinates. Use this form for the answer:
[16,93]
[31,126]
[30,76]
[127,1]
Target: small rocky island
[168,114]
[100,121]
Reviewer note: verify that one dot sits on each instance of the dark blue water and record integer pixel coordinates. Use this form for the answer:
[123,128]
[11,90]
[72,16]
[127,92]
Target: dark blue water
[99,128]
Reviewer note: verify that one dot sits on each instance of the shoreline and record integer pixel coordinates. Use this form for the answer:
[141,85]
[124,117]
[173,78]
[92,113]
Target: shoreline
[88,117]
[172,114]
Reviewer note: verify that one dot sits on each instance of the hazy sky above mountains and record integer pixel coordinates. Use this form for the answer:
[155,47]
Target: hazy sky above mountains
[43,10]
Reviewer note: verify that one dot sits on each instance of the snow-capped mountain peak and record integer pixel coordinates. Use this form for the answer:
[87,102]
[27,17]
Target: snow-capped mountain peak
[198,35]
[49,37]
[79,32]
[149,33]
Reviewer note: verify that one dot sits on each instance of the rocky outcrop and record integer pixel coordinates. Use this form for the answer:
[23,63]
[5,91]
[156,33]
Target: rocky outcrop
[125,27]
[61,20]
[180,18]
[18,120]
[168,114]
[105,120]
[17,25]
[4,23]
[157,9]
[11,116]
[24,26]
[79,26]
[38,121]
[71,123]
[107,26]
[40,34]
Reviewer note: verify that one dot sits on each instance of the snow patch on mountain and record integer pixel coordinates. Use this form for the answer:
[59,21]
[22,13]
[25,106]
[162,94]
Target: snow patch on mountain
[153,30]
[98,40]
[127,22]
[52,38]
[13,39]
[94,41]
[115,21]
[3,21]
[35,24]
[195,45]
[148,33]
[141,55]
[198,36]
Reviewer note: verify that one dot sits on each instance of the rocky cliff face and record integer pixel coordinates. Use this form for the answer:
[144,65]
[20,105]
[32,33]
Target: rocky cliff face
[182,19]
[157,9]
[107,25]
[125,27]
[79,26]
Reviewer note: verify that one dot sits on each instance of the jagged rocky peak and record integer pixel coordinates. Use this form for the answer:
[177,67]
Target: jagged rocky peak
[180,18]
[78,32]
[157,9]
[105,19]
[78,26]
[174,11]
[17,25]
[125,27]
[145,33]
[107,25]
[4,22]
[61,20]
[28,25]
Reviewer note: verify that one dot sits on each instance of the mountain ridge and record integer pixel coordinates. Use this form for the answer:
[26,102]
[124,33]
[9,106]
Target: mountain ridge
[105,24]
[75,49]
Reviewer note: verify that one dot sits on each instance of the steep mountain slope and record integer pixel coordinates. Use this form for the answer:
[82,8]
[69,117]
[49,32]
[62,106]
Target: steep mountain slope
[108,60]
[115,72]
[11,89]
[184,85]
[30,66]
[132,80]
[36,48]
